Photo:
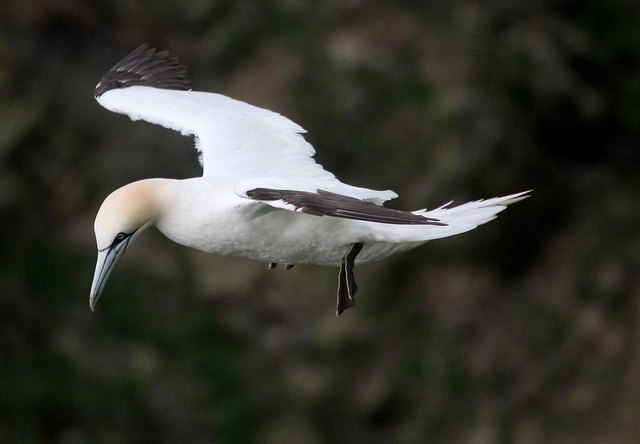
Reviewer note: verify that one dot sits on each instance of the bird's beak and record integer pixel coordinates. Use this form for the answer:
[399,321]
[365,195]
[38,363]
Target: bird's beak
[107,258]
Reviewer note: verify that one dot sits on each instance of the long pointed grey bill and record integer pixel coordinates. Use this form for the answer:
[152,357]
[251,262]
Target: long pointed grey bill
[107,258]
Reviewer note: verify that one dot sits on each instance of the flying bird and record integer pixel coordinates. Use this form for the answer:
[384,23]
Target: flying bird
[261,195]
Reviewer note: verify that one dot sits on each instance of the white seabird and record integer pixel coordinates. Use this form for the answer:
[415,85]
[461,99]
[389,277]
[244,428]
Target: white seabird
[261,195]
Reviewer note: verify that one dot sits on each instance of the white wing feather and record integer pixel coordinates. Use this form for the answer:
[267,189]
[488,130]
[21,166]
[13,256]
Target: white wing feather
[235,139]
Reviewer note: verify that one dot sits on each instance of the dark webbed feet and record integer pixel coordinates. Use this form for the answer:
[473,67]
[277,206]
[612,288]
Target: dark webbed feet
[347,286]
[273,265]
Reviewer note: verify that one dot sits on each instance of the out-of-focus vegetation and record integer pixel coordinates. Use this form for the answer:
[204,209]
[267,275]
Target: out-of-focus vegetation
[525,330]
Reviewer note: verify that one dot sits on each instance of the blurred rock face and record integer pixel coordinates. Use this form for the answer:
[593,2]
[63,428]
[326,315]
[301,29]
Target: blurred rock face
[524,330]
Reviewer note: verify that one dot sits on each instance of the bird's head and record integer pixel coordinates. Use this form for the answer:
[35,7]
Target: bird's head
[122,217]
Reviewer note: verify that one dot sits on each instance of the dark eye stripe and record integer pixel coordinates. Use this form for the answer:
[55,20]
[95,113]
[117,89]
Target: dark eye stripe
[120,237]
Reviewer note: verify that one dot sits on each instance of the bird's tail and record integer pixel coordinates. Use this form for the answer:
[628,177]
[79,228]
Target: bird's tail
[458,220]
[388,239]
[467,216]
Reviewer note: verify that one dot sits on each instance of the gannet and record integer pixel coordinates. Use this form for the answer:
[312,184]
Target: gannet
[261,195]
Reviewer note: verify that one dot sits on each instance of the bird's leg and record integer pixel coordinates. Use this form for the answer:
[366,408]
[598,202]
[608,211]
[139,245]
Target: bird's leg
[347,286]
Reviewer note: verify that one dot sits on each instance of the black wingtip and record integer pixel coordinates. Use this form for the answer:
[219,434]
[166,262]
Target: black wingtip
[145,66]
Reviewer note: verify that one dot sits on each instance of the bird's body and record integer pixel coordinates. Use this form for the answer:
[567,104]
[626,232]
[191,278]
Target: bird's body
[240,227]
[236,226]
[261,195]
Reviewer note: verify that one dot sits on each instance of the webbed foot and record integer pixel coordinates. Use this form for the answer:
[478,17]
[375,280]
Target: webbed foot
[347,287]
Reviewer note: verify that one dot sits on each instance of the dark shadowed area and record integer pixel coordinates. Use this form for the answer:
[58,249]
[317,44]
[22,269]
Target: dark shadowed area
[525,330]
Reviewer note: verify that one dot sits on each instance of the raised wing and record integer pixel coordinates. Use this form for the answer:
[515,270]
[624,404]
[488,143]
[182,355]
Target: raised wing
[234,139]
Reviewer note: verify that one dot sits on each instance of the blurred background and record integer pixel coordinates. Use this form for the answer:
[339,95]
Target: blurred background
[525,330]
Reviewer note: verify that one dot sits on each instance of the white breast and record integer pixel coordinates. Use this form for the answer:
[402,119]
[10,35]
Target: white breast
[209,216]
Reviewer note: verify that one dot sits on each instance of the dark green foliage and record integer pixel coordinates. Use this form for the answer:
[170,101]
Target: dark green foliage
[524,330]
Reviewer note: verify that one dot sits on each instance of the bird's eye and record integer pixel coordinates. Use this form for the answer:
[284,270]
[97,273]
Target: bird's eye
[120,237]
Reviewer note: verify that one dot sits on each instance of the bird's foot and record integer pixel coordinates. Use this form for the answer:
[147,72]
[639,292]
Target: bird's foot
[347,287]
[273,265]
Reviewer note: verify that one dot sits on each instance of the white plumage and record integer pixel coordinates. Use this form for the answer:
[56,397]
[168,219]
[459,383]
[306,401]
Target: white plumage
[236,140]
[262,195]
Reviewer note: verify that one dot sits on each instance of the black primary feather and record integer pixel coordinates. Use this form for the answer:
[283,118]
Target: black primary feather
[325,203]
[145,66]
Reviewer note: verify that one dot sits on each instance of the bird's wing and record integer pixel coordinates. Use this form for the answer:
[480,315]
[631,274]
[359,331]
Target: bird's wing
[326,203]
[234,139]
